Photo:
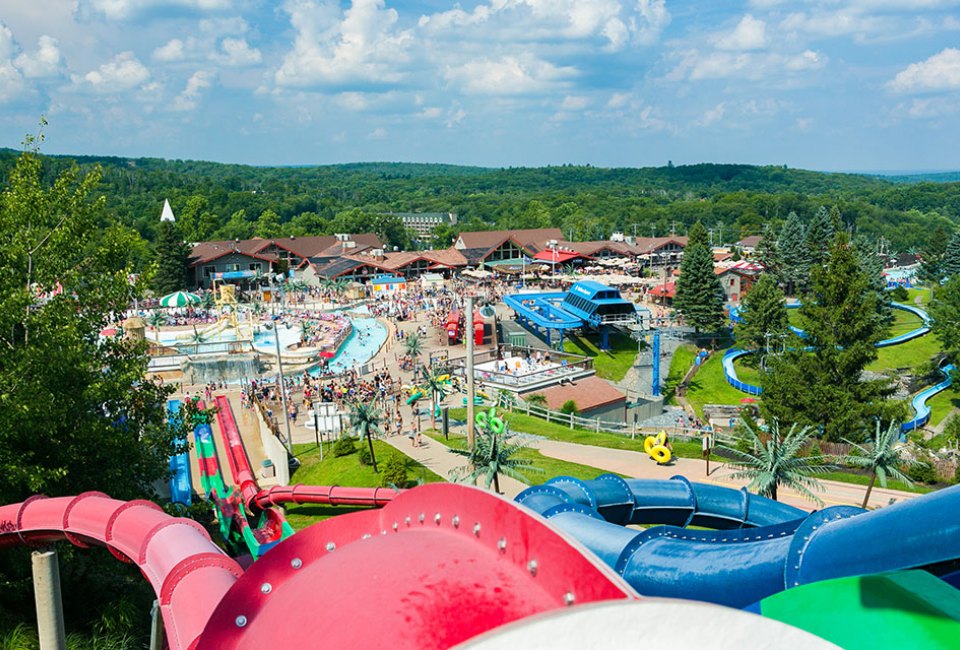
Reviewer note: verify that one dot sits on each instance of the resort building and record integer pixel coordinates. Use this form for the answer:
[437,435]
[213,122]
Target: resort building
[423,223]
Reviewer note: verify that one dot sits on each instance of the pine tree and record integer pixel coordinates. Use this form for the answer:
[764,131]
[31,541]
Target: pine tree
[767,253]
[819,235]
[933,255]
[824,387]
[793,254]
[170,255]
[951,257]
[699,296]
[872,265]
[764,316]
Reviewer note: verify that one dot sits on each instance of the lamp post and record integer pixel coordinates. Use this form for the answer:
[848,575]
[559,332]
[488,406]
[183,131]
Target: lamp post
[283,386]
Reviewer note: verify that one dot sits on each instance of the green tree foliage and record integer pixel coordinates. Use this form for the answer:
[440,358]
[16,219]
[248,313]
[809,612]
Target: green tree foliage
[843,321]
[884,457]
[865,250]
[776,460]
[933,255]
[766,252]
[945,311]
[493,453]
[951,256]
[268,225]
[78,413]
[699,295]
[764,315]
[569,407]
[366,420]
[395,473]
[237,227]
[793,255]
[820,233]
[171,254]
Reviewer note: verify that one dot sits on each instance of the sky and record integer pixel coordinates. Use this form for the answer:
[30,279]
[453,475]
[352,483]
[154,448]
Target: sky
[846,85]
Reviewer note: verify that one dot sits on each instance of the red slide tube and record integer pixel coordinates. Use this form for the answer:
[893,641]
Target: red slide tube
[188,572]
[240,468]
[329,495]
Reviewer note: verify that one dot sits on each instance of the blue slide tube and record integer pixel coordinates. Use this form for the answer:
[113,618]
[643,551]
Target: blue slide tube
[762,546]
[181,488]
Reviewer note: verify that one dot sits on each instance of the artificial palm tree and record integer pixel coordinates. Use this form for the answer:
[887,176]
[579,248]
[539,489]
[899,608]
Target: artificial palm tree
[366,420]
[438,389]
[156,320]
[492,455]
[776,461]
[883,458]
[197,339]
[208,300]
[414,346]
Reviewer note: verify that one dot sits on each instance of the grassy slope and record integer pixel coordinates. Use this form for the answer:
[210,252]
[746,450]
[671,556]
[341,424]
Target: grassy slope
[709,386]
[610,364]
[682,359]
[346,471]
[941,405]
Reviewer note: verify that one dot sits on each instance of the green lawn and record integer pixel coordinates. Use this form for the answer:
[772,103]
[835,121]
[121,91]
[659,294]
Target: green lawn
[942,404]
[709,386]
[554,431]
[863,479]
[346,471]
[922,292]
[611,364]
[682,359]
[550,467]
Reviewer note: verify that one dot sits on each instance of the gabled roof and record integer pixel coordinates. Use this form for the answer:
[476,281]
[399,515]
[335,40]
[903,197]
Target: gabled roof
[208,251]
[647,245]
[490,239]
[750,242]
[312,246]
[593,247]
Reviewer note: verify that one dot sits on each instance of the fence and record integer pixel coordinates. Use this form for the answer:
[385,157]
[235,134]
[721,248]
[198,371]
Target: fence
[510,403]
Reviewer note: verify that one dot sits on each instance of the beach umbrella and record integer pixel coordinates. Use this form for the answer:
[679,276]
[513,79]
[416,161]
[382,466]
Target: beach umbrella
[180,299]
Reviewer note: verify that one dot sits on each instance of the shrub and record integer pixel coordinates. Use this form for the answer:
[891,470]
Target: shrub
[815,453]
[363,455]
[569,407]
[900,294]
[394,472]
[344,446]
[922,472]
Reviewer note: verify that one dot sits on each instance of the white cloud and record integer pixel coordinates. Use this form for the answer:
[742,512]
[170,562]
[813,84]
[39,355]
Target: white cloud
[122,9]
[749,34]
[455,117]
[378,133]
[45,62]
[713,115]
[190,97]
[697,66]
[929,107]
[173,50]
[618,100]
[507,21]
[938,73]
[363,46]
[11,81]
[508,76]
[574,103]
[122,73]
[236,52]
[431,113]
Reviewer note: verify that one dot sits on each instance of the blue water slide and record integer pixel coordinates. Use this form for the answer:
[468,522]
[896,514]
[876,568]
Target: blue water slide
[760,546]
[181,488]
[919,401]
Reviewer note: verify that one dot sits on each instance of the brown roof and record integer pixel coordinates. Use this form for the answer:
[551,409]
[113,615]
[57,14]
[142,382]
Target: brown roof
[446,256]
[750,242]
[312,246]
[588,393]
[645,245]
[490,239]
[593,247]
[212,250]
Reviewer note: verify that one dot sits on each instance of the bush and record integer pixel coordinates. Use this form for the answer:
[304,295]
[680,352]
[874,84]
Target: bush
[922,472]
[363,454]
[900,294]
[394,472]
[569,407]
[815,453]
[344,446]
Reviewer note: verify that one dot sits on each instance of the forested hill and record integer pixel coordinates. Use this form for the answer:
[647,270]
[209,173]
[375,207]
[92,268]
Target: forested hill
[214,200]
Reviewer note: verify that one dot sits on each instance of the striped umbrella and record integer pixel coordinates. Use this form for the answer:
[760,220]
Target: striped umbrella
[180,299]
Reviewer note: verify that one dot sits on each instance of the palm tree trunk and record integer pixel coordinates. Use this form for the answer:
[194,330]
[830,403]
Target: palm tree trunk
[866,497]
[496,482]
[773,492]
[373,458]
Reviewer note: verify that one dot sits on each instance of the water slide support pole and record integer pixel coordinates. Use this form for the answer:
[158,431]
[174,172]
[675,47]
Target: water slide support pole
[46,593]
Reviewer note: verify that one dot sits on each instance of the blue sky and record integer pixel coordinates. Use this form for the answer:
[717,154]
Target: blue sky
[819,84]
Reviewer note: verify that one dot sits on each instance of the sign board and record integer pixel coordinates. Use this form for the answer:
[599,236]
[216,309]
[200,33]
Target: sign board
[327,417]
[707,443]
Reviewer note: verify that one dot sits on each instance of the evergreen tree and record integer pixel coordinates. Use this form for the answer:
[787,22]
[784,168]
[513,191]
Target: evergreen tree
[932,256]
[824,387]
[764,316]
[872,265]
[170,257]
[699,295]
[819,235]
[945,310]
[793,255]
[268,225]
[951,256]
[767,253]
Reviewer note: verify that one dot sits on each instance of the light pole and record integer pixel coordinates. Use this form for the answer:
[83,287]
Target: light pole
[283,386]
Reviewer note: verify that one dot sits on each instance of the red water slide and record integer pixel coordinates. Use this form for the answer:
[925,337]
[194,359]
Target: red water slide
[255,498]
[188,572]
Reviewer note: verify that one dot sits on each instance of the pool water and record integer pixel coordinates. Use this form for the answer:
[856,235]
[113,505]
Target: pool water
[362,344]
